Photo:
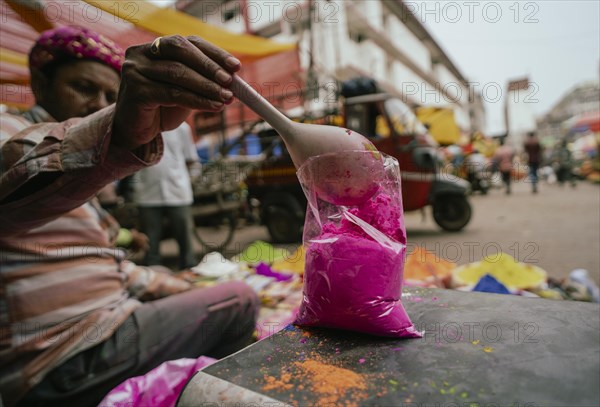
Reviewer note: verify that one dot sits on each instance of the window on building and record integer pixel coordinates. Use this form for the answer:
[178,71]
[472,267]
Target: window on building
[229,15]
[298,26]
[357,37]
[269,30]
[230,10]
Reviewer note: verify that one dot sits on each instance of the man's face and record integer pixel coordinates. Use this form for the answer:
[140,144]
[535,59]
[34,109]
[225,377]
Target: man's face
[79,89]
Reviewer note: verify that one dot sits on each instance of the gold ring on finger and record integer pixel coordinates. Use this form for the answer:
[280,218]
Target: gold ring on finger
[155,47]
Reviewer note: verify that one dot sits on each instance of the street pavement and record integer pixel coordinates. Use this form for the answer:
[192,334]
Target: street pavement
[557,229]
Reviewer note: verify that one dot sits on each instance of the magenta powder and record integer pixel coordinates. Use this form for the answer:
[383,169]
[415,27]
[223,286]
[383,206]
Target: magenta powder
[353,280]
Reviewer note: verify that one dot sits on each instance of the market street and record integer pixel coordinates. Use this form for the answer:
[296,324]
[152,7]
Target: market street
[558,229]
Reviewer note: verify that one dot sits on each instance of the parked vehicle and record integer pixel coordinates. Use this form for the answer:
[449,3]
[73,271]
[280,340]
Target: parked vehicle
[405,138]
[275,187]
[218,200]
[478,171]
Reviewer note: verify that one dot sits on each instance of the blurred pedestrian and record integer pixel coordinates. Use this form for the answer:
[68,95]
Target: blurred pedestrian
[503,161]
[164,191]
[563,159]
[475,165]
[534,156]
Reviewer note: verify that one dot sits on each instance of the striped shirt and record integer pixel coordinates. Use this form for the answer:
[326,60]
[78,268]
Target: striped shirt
[63,286]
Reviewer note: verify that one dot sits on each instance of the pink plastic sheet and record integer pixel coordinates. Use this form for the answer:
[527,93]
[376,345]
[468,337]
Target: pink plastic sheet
[160,387]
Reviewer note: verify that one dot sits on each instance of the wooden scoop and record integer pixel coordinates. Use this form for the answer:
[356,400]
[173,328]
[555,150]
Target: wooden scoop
[303,141]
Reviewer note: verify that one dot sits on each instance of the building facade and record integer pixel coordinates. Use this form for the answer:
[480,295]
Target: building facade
[583,98]
[341,39]
[518,112]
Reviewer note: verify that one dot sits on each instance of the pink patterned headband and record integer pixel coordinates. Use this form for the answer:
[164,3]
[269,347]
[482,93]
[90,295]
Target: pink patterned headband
[77,43]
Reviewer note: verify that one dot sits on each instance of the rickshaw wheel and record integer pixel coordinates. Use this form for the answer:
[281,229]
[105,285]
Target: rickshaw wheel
[452,212]
[216,235]
[283,225]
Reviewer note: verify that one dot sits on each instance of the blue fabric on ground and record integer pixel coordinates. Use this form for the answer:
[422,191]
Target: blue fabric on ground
[488,284]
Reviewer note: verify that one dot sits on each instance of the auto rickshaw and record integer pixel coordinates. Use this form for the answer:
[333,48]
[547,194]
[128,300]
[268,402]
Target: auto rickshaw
[394,129]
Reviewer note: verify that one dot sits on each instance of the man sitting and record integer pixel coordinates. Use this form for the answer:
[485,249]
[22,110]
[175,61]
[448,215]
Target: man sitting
[72,322]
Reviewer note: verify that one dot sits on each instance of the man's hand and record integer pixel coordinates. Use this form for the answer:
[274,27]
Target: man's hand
[139,241]
[158,91]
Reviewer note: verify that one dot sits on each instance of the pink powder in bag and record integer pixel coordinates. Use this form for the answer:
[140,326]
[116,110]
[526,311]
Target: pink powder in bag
[354,268]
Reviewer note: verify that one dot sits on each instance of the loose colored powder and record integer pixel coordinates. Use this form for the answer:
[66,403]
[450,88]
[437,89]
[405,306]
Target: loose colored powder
[278,384]
[332,384]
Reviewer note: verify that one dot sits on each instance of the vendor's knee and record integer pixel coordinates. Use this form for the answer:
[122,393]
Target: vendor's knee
[247,296]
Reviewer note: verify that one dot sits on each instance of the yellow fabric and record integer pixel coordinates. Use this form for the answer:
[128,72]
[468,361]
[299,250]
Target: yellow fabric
[485,146]
[441,123]
[294,263]
[12,57]
[165,21]
[381,127]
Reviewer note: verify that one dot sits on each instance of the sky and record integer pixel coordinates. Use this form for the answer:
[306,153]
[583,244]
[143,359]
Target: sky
[556,43]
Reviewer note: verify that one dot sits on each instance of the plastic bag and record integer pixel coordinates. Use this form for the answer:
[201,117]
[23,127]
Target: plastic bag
[354,254]
[160,387]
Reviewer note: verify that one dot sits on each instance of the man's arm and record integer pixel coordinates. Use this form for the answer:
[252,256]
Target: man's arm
[52,168]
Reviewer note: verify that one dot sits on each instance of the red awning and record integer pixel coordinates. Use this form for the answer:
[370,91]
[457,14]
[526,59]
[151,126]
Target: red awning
[587,121]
